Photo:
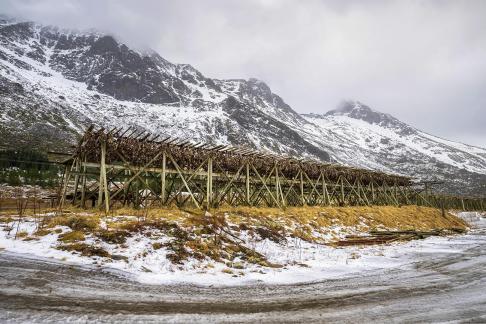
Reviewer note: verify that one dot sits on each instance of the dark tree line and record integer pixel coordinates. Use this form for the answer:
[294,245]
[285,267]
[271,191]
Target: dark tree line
[27,167]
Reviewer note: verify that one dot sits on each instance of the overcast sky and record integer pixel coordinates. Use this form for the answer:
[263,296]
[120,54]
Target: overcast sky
[422,61]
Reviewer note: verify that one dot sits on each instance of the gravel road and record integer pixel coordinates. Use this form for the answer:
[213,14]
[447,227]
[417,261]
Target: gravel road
[447,285]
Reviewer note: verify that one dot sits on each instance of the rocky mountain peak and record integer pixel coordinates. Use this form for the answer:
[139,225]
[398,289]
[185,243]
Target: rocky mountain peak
[259,85]
[357,110]
[94,78]
[105,45]
[360,111]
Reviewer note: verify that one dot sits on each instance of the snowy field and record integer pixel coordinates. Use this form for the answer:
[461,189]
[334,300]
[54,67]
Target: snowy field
[435,280]
[302,261]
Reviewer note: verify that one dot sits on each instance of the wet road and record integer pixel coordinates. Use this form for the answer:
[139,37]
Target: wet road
[438,287]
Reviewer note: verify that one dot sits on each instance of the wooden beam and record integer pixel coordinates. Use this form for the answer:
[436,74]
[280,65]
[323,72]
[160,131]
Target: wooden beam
[163,197]
[265,185]
[247,183]
[209,186]
[184,180]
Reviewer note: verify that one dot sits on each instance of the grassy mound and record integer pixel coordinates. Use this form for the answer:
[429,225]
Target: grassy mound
[229,235]
[399,218]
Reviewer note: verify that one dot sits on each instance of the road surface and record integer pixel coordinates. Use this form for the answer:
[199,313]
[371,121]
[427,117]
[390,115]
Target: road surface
[437,287]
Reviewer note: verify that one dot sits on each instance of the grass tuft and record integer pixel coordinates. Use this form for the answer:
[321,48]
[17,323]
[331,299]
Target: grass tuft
[85,249]
[73,236]
[6,219]
[42,232]
[76,222]
[21,234]
[113,236]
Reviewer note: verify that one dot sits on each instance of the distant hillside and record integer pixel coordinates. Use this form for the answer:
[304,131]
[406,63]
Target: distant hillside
[53,83]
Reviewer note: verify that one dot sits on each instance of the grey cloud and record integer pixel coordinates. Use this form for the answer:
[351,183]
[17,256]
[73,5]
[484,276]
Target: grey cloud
[421,61]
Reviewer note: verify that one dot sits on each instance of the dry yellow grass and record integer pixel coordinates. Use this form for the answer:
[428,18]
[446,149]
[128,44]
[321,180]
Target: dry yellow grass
[73,236]
[214,235]
[42,232]
[85,249]
[6,219]
[401,218]
[30,211]
[305,218]
[76,222]
[21,234]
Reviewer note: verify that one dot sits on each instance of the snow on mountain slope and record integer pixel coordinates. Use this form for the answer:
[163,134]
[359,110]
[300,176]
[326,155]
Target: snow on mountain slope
[53,79]
[401,139]
[53,83]
[357,135]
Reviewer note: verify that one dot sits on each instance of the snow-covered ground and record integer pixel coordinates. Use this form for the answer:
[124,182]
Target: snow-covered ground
[437,280]
[474,219]
[303,261]
[25,191]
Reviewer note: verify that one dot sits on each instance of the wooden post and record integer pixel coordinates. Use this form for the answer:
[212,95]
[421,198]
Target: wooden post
[278,187]
[277,194]
[373,193]
[76,180]
[126,188]
[209,188]
[103,185]
[163,197]
[324,190]
[105,181]
[60,188]
[247,183]
[100,186]
[342,191]
[367,202]
[83,185]
[358,191]
[211,183]
[462,202]
[302,200]
[136,195]
[67,175]
[284,202]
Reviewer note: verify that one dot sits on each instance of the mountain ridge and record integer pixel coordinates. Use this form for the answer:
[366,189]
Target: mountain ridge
[54,83]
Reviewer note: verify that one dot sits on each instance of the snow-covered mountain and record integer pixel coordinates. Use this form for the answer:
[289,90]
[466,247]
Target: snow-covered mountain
[53,83]
[355,134]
